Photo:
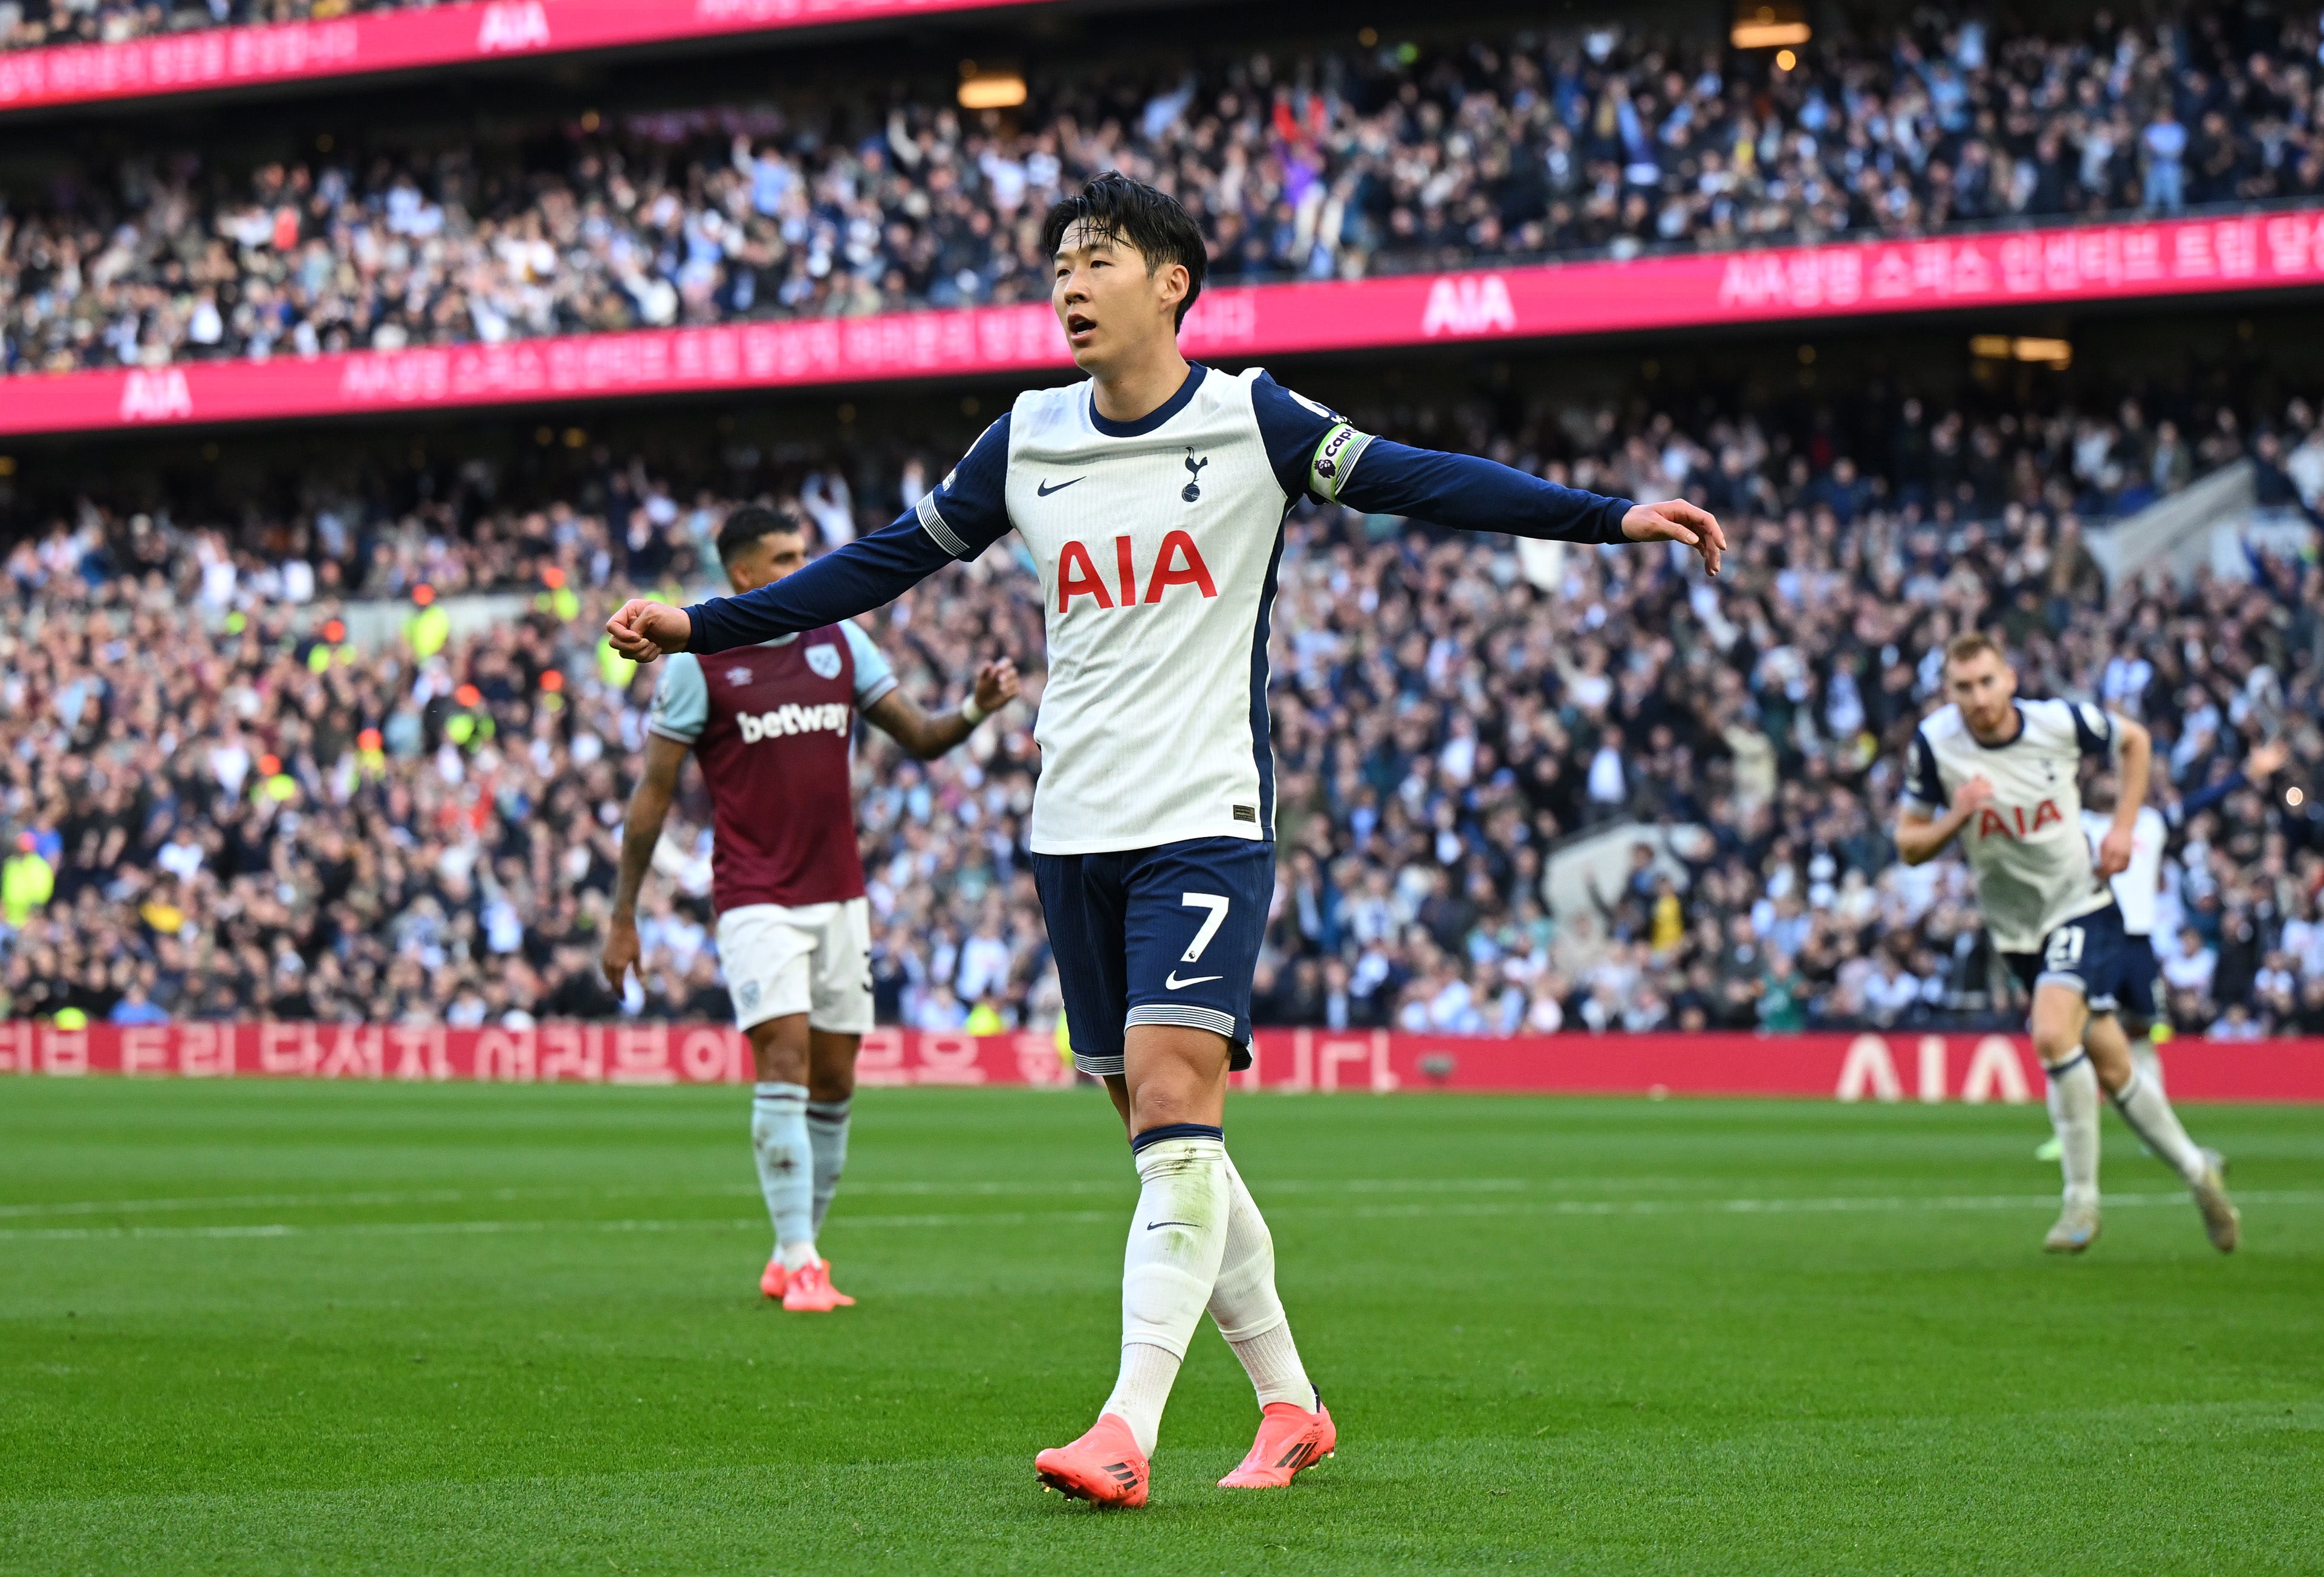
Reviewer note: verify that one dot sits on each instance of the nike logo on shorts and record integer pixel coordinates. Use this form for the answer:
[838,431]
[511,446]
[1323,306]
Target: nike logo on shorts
[1043,490]
[1175,983]
[1156,1226]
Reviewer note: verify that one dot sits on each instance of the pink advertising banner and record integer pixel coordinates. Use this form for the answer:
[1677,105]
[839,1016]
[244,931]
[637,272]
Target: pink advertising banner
[1901,1065]
[1233,323]
[401,40]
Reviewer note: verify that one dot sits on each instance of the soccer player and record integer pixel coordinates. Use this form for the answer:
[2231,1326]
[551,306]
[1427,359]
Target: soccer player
[771,725]
[2136,885]
[2001,774]
[1152,497]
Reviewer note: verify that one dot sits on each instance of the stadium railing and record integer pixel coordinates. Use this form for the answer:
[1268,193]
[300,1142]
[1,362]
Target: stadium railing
[1900,1065]
[2274,250]
[216,59]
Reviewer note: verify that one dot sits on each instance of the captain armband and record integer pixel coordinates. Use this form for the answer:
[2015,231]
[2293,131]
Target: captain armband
[1334,458]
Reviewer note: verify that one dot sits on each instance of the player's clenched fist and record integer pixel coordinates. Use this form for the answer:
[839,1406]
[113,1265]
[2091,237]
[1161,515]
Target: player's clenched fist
[1677,521]
[1971,796]
[996,685]
[643,630]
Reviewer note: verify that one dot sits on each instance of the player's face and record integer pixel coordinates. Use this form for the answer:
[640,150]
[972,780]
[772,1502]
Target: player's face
[1111,305]
[1982,686]
[767,560]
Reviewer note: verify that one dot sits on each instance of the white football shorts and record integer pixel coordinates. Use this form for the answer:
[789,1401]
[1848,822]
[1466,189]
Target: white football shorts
[815,959]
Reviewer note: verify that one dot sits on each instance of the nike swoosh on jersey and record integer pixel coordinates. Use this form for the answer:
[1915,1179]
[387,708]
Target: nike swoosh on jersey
[1043,490]
[1175,983]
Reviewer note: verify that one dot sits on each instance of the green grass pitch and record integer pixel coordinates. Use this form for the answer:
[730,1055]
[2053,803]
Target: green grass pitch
[267,1327]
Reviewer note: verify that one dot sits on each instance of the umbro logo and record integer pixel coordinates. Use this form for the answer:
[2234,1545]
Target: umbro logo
[1044,489]
[1174,983]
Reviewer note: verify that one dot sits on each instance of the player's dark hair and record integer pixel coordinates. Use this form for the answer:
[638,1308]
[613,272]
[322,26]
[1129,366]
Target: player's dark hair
[748,524]
[1122,208]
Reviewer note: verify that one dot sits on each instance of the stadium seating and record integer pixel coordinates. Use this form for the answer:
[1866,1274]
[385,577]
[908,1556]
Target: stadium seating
[1318,160]
[252,787]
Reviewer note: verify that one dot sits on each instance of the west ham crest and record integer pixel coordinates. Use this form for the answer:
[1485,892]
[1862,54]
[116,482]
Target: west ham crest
[824,660]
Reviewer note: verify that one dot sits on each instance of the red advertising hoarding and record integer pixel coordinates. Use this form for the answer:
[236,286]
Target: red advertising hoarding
[401,41]
[1898,1065]
[1235,325]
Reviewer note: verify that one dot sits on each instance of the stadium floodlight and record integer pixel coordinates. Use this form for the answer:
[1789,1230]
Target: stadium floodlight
[1760,26]
[990,87]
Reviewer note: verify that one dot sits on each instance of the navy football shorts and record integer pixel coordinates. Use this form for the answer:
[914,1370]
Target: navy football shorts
[2091,953]
[1160,936]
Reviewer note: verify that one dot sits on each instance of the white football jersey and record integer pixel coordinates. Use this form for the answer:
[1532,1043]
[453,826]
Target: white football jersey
[1157,542]
[2025,848]
[2136,884]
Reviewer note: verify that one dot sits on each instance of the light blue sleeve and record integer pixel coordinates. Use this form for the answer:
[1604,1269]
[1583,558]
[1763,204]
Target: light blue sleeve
[873,677]
[681,702]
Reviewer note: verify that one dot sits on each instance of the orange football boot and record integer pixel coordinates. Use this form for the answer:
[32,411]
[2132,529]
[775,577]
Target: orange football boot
[810,1290]
[1290,1440]
[1104,1466]
[776,1278]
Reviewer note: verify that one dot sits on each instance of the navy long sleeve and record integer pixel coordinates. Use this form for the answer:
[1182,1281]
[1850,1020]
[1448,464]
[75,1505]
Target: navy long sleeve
[868,572]
[965,514]
[1473,494]
[1318,454]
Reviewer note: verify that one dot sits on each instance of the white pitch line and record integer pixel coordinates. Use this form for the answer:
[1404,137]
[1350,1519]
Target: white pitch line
[1560,1207]
[980,1190]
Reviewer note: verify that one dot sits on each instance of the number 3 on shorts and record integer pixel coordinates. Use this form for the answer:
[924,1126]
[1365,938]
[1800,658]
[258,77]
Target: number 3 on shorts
[2065,950]
[1214,902]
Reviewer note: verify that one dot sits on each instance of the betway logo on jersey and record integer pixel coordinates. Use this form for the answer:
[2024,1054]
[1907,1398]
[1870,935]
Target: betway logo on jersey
[1180,563]
[832,717]
[1999,819]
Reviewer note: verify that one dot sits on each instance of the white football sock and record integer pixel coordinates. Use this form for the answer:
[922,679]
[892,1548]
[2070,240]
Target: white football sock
[786,1158]
[826,1129]
[1246,1309]
[2074,1114]
[1175,1240]
[2150,1117]
[2147,1064]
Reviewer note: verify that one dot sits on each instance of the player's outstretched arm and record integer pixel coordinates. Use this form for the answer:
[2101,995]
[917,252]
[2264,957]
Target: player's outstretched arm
[928,735]
[1920,836]
[1317,453]
[868,572]
[641,831]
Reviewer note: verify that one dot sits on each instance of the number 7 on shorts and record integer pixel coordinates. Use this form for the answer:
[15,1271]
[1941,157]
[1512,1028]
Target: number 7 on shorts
[1217,904]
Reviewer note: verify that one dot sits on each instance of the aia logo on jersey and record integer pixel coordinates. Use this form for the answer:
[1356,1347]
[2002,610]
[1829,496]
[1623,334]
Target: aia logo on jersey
[1180,563]
[1990,820]
[824,660]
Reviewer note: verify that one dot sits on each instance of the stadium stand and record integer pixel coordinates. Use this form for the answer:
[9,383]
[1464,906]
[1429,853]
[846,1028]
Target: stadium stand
[227,800]
[32,23]
[1316,160]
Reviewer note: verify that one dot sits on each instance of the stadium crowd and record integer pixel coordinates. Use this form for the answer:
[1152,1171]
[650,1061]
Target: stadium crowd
[27,24]
[218,802]
[1330,161]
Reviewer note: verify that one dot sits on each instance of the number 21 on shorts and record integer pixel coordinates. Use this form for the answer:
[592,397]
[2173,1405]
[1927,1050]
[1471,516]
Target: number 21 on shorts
[2065,949]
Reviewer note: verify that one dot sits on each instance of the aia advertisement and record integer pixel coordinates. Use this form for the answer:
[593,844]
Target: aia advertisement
[401,41]
[1902,1066]
[1236,325]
